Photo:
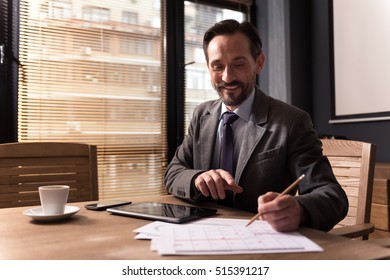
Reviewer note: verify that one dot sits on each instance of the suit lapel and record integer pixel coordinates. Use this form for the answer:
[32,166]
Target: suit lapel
[208,131]
[254,131]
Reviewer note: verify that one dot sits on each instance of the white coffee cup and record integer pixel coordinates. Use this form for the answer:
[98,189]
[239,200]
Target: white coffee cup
[53,199]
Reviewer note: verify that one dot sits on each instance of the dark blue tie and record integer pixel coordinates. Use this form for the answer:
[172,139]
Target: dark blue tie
[227,151]
[227,144]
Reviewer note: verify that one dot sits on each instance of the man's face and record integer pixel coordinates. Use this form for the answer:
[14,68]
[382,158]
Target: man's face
[232,68]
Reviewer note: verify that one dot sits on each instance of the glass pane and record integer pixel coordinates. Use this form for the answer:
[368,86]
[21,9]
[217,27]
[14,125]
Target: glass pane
[92,73]
[198,18]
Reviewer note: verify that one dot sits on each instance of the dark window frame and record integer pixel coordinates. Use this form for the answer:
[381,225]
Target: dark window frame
[9,35]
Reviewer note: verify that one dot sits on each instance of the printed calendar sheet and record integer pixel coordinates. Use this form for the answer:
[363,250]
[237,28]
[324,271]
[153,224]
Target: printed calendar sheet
[224,236]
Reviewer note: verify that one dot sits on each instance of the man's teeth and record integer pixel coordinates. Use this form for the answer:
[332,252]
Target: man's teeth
[231,87]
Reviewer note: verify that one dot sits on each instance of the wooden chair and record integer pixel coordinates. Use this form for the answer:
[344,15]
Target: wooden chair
[353,164]
[25,166]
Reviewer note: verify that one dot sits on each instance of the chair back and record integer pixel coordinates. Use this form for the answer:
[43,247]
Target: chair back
[353,164]
[24,166]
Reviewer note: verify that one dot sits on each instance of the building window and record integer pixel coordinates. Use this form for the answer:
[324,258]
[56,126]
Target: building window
[97,14]
[129,17]
[136,46]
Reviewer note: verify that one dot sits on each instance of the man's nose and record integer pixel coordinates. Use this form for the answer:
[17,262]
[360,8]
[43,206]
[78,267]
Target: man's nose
[228,75]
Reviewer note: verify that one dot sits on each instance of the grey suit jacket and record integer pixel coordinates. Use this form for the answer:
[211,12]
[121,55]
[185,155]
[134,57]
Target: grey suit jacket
[280,144]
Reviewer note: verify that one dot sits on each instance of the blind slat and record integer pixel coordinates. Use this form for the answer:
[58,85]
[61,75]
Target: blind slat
[89,75]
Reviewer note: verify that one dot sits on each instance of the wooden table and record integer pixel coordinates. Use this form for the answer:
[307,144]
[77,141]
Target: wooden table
[95,235]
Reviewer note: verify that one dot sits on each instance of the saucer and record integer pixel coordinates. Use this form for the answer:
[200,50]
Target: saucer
[37,214]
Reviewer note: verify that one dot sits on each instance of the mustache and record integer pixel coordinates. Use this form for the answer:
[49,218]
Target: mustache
[223,84]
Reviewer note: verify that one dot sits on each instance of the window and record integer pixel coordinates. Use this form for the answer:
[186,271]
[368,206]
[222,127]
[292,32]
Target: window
[57,9]
[136,46]
[129,17]
[98,14]
[198,18]
[87,77]
[95,71]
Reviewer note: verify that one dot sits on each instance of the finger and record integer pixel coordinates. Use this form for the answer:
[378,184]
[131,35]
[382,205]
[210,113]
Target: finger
[284,224]
[275,203]
[259,212]
[200,184]
[205,184]
[230,182]
[265,198]
[215,184]
[285,221]
[234,188]
[219,185]
[282,213]
[210,183]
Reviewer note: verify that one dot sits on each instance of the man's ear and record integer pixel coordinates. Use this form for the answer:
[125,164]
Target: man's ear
[260,63]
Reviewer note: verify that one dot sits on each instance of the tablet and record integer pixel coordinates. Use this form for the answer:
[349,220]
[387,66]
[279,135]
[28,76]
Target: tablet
[165,212]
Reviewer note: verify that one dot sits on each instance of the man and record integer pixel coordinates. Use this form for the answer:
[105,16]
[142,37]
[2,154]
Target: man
[274,143]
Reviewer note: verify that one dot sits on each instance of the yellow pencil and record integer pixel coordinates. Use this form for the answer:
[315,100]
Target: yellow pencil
[288,189]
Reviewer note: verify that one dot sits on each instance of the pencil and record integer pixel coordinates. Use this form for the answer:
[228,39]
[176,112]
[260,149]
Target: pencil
[288,189]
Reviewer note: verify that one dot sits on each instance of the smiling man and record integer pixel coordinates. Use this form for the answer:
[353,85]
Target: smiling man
[273,143]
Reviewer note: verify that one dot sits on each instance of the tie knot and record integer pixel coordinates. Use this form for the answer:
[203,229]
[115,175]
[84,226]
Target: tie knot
[229,118]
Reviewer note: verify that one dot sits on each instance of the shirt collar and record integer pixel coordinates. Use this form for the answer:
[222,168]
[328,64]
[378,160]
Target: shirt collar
[244,110]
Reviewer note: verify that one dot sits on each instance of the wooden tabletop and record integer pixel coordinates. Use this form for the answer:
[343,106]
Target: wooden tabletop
[98,235]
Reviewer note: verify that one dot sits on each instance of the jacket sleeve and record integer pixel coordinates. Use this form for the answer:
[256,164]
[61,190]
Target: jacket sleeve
[180,174]
[321,195]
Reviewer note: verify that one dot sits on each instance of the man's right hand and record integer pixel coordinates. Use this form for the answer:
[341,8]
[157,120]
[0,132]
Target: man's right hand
[214,182]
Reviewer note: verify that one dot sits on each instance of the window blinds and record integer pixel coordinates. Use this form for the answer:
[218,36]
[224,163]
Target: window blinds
[93,71]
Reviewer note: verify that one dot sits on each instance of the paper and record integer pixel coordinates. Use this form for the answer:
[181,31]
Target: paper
[215,236]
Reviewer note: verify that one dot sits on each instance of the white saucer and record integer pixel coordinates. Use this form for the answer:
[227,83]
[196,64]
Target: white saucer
[37,214]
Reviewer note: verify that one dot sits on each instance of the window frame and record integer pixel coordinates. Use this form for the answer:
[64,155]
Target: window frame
[9,35]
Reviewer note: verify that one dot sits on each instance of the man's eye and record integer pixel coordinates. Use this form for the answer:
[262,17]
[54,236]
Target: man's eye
[217,68]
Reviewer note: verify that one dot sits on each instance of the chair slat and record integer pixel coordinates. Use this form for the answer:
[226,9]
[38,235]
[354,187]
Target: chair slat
[26,166]
[42,178]
[353,165]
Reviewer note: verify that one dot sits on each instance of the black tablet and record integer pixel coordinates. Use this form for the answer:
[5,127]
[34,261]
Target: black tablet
[172,213]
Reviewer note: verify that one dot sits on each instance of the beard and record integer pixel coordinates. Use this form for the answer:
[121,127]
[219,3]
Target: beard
[229,98]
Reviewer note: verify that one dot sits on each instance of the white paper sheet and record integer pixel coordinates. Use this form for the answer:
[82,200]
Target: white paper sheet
[215,236]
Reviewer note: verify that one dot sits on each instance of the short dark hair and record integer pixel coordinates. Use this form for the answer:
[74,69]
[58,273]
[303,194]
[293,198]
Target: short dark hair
[230,27]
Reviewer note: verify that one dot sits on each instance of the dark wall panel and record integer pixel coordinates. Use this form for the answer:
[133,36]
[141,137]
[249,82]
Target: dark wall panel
[374,132]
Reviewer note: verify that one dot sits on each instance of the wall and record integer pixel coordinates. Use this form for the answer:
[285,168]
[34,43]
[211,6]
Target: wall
[374,132]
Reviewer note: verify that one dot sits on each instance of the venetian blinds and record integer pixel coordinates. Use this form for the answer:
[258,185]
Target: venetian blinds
[92,71]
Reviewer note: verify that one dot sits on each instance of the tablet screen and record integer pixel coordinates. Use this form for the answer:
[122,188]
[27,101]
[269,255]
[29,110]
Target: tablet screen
[172,213]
